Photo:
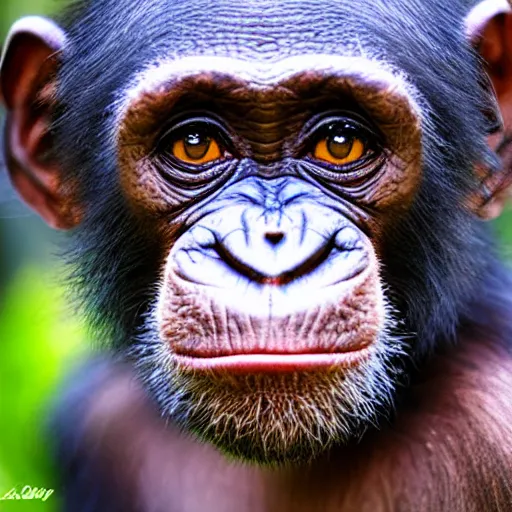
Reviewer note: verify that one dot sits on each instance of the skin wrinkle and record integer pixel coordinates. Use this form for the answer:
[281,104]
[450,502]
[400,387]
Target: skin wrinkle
[258,75]
[179,326]
[387,107]
[127,140]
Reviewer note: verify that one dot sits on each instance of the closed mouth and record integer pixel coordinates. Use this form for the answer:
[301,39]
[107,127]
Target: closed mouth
[274,363]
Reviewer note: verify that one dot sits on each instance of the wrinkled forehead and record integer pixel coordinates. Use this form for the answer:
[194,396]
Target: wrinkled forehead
[265,43]
[269,29]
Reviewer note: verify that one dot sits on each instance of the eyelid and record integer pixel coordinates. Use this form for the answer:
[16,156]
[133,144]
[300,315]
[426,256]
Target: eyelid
[214,128]
[313,129]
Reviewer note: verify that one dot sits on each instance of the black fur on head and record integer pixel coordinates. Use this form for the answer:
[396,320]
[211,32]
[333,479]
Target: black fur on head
[435,260]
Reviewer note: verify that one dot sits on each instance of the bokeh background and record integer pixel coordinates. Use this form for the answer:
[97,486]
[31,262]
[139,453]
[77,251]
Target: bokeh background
[41,337]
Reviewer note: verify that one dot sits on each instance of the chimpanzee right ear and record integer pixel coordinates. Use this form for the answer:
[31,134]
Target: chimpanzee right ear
[489,30]
[27,90]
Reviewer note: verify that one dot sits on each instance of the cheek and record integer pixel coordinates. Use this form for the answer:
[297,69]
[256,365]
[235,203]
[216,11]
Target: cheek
[396,192]
[147,192]
[244,318]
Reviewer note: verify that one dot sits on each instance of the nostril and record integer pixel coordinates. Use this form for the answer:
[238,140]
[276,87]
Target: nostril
[274,237]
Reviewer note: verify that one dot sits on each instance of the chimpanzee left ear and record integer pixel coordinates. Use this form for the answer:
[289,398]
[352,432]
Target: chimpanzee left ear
[27,83]
[489,29]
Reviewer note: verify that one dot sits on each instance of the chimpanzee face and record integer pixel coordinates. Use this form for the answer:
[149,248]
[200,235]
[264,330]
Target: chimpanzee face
[264,209]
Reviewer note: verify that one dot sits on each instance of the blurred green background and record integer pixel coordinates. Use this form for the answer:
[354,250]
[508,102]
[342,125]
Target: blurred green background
[40,337]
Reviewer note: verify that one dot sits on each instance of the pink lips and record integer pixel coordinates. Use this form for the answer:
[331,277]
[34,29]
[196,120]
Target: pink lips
[273,363]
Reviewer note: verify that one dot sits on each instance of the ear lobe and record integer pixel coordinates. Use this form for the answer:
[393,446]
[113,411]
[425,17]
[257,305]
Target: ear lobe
[489,29]
[27,80]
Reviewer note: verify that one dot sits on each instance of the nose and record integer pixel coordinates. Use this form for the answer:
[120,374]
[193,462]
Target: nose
[274,238]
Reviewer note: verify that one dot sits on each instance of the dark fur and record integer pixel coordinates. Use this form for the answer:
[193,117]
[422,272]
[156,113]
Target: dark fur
[439,260]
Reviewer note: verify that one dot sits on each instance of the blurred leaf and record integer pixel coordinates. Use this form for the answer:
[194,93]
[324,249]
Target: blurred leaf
[39,339]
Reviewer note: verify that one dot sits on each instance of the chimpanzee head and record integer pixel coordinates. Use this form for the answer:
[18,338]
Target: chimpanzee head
[274,205]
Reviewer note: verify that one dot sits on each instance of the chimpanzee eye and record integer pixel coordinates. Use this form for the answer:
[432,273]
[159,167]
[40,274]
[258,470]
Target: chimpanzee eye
[196,147]
[342,144]
[196,142]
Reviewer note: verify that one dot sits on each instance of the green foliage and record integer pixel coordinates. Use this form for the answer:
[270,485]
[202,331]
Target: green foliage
[503,226]
[39,340]
[10,10]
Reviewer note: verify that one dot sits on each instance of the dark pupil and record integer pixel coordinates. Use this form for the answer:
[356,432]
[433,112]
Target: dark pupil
[196,145]
[340,145]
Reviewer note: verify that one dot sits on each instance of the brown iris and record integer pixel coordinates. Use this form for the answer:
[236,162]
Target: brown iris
[196,148]
[340,148]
